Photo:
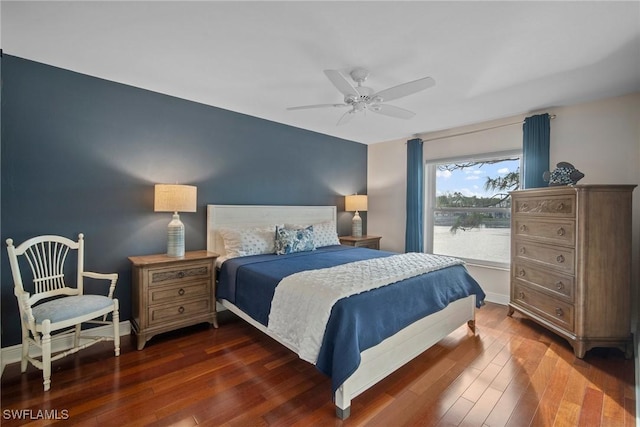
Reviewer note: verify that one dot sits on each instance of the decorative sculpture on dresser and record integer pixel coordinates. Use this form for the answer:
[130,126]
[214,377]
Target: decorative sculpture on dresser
[564,174]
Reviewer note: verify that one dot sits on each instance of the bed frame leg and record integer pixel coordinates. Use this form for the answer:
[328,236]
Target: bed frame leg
[343,414]
[472,325]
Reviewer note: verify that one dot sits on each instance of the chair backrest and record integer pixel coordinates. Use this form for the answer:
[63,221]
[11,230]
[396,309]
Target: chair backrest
[46,257]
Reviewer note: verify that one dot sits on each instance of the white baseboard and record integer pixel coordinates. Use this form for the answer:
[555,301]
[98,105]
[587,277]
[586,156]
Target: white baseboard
[14,353]
[497,298]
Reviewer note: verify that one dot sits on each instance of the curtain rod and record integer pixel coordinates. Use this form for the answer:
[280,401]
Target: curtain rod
[551,117]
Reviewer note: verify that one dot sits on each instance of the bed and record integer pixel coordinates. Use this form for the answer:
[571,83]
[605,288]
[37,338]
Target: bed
[251,284]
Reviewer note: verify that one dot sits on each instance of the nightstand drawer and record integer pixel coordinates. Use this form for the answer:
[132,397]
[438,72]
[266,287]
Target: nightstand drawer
[550,308]
[552,256]
[161,276]
[164,313]
[371,242]
[172,293]
[558,232]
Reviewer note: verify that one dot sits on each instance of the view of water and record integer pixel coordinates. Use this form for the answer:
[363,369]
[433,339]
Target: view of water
[491,244]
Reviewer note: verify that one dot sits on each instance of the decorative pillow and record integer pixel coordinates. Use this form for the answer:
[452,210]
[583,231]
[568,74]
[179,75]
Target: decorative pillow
[248,241]
[289,241]
[324,233]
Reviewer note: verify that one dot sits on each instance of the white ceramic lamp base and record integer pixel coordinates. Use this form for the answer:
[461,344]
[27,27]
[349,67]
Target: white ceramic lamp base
[356,225]
[175,242]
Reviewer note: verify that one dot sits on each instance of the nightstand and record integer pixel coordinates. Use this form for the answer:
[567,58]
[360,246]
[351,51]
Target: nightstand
[372,242]
[170,293]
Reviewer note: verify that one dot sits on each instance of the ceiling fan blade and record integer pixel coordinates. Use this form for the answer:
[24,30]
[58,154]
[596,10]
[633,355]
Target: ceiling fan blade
[341,83]
[304,107]
[346,117]
[393,111]
[405,89]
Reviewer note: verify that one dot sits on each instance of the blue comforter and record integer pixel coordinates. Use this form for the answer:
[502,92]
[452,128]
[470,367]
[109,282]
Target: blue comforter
[357,322]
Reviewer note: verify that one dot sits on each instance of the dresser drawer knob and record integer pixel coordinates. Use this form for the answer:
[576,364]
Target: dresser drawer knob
[525,206]
[181,292]
[181,309]
[521,295]
[521,273]
[559,286]
[560,259]
[560,206]
[523,250]
[180,274]
[561,231]
[559,312]
[523,227]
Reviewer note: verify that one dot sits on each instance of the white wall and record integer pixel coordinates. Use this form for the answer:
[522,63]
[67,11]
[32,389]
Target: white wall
[601,139]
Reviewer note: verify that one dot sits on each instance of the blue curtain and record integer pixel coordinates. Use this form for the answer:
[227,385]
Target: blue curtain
[414,239]
[535,150]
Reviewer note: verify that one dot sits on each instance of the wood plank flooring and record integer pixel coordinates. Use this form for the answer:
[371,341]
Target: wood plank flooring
[512,373]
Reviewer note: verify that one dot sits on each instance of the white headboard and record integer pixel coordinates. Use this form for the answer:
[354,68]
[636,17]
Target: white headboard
[219,216]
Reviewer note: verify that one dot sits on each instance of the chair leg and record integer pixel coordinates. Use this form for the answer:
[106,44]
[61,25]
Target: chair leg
[115,316]
[24,359]
[76,336]
[46,354]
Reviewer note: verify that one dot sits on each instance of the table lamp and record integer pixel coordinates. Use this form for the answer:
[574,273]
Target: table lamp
[175,198]
[356,203]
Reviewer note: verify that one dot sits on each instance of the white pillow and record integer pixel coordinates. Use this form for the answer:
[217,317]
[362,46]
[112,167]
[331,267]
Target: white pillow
[324,233]
[248,241]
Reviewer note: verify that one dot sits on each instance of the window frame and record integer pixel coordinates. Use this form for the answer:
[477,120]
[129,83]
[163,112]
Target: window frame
[430,197]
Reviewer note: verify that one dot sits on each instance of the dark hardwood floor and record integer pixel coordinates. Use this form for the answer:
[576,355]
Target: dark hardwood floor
[512,373]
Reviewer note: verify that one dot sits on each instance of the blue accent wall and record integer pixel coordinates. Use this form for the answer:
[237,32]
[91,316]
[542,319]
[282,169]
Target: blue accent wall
[81,154]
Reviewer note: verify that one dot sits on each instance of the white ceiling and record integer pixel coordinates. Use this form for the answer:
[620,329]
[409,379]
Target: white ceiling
[489,59]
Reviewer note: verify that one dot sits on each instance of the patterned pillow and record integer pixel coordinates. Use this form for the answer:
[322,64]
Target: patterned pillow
[324,233]
[248,241]
[289,241]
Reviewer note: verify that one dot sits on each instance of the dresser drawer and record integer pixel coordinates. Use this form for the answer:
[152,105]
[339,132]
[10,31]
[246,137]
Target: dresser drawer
[183,273]
[561,285]
[161,314]
[558,231]
[173,293]
[558,312]
[553,256]
[556,206]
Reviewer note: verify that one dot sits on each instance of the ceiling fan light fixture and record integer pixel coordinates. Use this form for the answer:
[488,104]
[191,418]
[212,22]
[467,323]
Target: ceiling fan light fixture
[361,98]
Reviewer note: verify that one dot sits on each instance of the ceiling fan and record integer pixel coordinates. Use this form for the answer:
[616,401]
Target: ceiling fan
[361,98]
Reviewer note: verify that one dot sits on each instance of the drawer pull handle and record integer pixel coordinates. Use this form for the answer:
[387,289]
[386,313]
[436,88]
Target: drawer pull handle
[559,286]
[181,274]
[561,231]
[559,312]
[522,273]
[560,206]
[523,250]
[181,292]
[523,227]
[560,259]
[525,206]
[521,295]
[181,310]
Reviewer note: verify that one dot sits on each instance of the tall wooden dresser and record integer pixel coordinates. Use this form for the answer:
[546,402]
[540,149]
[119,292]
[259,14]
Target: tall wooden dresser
[571,262]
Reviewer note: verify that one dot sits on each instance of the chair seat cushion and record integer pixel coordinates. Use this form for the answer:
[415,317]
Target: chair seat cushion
[67,308]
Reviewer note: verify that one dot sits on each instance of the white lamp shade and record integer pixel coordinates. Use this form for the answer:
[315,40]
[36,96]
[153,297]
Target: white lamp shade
[355,202]
[175,198]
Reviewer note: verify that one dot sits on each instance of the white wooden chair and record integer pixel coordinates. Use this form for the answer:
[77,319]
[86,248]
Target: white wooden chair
[47,304]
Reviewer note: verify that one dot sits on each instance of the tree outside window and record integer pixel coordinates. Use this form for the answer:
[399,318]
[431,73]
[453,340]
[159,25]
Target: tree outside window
[471,208]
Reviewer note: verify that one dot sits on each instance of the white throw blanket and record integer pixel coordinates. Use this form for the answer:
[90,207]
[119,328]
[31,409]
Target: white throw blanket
[302,302]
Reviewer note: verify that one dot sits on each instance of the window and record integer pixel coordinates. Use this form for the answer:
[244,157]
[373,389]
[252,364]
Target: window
[469,207]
